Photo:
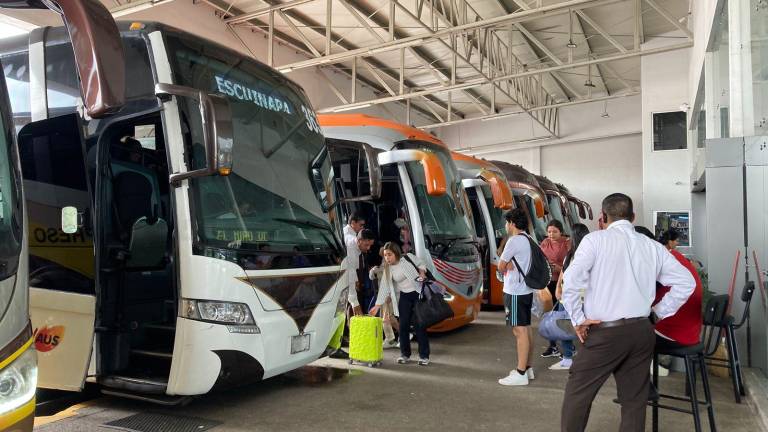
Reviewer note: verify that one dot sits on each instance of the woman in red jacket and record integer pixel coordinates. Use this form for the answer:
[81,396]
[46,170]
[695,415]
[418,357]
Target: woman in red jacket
[555,247]
[684,327]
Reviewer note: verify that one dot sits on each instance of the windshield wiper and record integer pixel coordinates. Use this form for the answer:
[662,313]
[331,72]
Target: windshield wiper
[300,222]
[448,246]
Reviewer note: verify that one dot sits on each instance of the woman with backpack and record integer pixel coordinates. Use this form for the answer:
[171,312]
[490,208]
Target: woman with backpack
[579,231]
[403,274]
[555,247]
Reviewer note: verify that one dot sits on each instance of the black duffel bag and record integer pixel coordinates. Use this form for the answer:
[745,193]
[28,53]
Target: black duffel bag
[431,308]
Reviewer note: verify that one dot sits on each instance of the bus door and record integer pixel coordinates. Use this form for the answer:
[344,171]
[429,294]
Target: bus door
[473,187]
[357,180]
[61,257]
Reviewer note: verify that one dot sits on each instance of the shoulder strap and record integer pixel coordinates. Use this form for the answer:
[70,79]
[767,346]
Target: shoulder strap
[407,258]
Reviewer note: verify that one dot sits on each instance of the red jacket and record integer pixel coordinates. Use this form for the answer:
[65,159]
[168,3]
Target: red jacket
[684,327]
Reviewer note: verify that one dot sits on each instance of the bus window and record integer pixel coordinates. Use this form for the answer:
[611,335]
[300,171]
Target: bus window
[16,71]
[10,208]
[53,168]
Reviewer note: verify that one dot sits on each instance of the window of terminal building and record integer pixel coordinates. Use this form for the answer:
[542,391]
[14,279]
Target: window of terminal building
[669,131]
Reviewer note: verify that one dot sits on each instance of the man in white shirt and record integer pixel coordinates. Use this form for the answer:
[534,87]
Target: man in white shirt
[356,268]
[518,297]
[617,269]
[355,225]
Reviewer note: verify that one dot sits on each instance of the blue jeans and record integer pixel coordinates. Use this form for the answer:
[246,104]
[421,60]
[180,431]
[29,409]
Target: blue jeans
[567,348]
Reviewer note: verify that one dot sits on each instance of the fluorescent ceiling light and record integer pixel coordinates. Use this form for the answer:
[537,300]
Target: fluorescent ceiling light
[136,6]
[530,140]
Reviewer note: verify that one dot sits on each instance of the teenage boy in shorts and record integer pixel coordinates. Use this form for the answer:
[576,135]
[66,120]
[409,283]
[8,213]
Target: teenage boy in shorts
[518,297]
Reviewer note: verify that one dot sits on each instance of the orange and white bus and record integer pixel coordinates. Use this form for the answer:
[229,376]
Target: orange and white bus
[490,196]
[419,201]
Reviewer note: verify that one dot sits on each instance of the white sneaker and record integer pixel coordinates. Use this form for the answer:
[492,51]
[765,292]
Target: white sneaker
[515,379]
[391,344]
[529,372]
[423,362]
[403,360]
[561,365]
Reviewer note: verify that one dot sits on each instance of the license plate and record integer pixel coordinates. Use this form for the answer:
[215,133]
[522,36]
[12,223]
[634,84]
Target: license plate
[299,343]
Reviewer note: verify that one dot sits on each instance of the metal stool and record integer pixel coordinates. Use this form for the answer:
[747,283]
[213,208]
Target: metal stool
[693,356]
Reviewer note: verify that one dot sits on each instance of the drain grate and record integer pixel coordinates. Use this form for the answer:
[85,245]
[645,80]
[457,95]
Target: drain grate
[152,422]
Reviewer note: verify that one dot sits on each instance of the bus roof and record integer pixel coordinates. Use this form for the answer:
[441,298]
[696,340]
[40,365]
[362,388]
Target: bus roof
[357,120]
[481,163]
[547,184]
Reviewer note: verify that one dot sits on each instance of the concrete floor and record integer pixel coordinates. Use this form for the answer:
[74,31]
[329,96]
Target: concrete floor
[457,392]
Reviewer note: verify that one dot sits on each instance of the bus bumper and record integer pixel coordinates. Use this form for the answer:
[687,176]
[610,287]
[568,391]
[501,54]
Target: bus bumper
[208,356]
[21,419]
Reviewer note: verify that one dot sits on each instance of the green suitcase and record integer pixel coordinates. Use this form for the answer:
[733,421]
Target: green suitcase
[366,340]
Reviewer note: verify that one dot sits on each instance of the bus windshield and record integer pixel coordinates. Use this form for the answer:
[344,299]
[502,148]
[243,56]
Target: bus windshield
[497,214]
[10,202]
[444,218]
[574,212]
[267,213]
[558,213]
[539,224]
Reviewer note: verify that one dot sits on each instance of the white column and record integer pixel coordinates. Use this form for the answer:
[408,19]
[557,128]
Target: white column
[742,116]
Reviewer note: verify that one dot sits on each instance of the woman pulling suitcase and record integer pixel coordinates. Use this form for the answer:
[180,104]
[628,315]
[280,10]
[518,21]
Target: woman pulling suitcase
[403,274]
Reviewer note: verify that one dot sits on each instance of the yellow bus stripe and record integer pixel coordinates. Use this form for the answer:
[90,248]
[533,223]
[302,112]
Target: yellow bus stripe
[15,355]
[9,419]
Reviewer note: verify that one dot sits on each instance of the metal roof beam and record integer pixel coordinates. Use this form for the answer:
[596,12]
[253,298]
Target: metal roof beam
[668,16]
[517,17]
[546,107]
[484,80]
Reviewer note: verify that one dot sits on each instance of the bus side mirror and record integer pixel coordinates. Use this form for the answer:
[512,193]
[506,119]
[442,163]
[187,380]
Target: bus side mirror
[433,168]
[539,204]
[349,156]
[582,210]
[98,53]
[217,127]
[502,194]
[589,210]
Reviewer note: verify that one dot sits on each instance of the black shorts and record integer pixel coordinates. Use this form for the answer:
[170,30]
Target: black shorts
[518,308]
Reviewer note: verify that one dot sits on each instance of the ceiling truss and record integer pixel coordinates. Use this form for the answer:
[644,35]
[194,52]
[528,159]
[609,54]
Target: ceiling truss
[476,75]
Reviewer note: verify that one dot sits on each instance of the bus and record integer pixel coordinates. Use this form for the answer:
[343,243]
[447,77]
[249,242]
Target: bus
[182,244]
[557,203]
[101,94]
[490,197]
[418,200]
[529,196]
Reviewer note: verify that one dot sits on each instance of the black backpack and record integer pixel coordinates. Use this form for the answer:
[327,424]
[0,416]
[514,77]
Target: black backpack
[540,273]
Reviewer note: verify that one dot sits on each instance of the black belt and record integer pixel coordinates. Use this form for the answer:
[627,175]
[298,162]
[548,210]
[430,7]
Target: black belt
[621,322]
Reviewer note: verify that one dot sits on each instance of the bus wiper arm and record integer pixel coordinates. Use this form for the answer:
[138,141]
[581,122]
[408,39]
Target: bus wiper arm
[334,245]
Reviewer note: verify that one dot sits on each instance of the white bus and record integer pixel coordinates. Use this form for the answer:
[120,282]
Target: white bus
[102,93]
[418,201]
[182,244]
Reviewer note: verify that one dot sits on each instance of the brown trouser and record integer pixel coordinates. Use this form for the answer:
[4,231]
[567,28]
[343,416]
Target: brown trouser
[623,351]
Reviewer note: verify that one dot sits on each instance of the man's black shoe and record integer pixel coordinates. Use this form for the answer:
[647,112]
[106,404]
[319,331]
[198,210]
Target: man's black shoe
[339,354]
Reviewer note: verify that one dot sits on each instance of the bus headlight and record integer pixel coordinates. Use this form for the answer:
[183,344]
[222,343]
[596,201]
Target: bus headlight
[342,303]
[448,296]
[237,316]
[18,382]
